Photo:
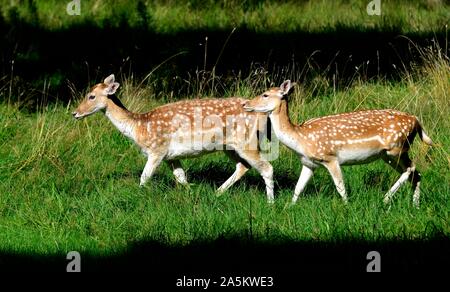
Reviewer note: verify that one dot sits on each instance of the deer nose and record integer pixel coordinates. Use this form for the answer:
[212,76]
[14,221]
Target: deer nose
[247,107]
[75,115]
[245,104]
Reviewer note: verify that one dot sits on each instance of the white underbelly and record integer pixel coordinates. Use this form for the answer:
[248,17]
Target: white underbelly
[177,150]
[357,156]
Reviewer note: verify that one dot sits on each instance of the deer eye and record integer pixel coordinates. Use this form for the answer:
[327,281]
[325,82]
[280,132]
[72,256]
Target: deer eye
[265,95]
[92,97]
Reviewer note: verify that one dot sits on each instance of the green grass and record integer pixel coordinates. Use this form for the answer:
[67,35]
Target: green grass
[259,16]
[74,185]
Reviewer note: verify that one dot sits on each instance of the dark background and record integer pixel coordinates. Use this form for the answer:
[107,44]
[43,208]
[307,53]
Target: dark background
[84,54]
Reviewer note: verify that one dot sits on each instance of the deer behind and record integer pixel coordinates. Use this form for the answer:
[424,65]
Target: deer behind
[344,139]
[186,129]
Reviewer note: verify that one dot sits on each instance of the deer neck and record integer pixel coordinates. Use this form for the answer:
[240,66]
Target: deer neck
[121,118]
[285,131]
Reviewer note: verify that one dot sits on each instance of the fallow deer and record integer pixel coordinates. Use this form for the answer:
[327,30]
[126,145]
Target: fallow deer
[178,130]
[344,139]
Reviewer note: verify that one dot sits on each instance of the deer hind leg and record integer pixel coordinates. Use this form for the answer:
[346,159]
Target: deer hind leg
[152,163]
[335,170]
[416,187]
[405,167]
[178,172]
[254,159]
[241,168]
[305,176]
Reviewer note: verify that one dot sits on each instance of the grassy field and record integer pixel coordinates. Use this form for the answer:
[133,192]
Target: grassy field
[68,185]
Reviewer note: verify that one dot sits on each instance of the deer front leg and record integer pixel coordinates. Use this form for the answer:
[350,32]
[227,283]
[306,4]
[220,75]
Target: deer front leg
[150,167]
[305,176]
[178,172]
[266,171]
[336,173]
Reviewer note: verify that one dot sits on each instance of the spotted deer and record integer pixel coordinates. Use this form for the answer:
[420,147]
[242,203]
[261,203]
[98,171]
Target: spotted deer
[178,130]
[344,139]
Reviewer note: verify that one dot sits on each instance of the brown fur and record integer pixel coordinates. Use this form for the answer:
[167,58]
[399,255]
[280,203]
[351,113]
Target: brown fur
[173,131]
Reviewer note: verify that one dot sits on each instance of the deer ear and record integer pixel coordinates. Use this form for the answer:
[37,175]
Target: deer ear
[285,87]
[111,89]
[110,79]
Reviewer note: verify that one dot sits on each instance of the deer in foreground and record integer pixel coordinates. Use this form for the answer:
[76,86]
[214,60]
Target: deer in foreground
[344,139]
[177,130]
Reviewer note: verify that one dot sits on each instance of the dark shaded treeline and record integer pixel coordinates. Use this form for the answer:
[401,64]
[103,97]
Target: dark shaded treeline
[87,53]
[235,256]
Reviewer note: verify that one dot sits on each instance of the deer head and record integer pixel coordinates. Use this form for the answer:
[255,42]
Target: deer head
[269,100]
[97,98]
